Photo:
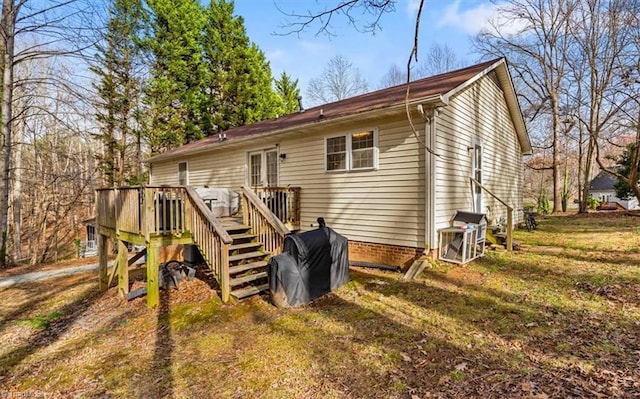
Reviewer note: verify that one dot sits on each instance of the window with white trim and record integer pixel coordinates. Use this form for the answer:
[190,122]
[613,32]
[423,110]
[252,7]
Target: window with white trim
[352,151]
[337,153]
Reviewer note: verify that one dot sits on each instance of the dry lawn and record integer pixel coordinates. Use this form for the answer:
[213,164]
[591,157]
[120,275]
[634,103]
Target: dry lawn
[558,319]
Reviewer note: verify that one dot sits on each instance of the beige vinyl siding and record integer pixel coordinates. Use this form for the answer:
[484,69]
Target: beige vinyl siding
[165,173]
[381,206]
[480,112]
[214,169]
[386,205]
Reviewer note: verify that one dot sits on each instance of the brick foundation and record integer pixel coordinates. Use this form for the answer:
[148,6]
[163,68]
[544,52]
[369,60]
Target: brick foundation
[393,255]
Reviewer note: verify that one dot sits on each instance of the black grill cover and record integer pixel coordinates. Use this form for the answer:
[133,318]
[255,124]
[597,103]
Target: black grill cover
[312,264]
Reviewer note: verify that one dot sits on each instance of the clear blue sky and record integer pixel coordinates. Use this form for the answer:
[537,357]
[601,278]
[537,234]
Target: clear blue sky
[449,22]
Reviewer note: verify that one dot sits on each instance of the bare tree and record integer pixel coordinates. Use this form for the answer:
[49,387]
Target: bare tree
[7,27]
[371,11]
[612,112]
[394,77]
[56,164]
[536,52]
[339,80]
[603,50]
[439,59]
[57,25]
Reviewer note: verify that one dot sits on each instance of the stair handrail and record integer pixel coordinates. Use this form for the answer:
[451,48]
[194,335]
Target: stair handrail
[509,212]
[264,210]
[208,214]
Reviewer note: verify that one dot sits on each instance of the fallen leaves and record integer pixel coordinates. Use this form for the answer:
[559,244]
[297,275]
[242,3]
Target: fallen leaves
[524,330]
[461,366]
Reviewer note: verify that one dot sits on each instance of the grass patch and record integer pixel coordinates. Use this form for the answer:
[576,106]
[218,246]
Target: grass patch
[40,322]
[557,319]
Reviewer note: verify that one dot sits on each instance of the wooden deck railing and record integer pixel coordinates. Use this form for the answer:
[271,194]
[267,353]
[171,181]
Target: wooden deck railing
[148,215]
[284,202]
[264,223]
[211,238]
[142,211]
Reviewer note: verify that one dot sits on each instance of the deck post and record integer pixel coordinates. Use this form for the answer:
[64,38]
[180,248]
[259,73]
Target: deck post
[224,272]
[509,229]
[147,214]
[102,262]
[245,210]
[123,269]
[153,275]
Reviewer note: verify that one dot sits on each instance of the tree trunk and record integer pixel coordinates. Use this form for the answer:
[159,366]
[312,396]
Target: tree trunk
[587,171]
[16,202]
[557,183]
[8,27]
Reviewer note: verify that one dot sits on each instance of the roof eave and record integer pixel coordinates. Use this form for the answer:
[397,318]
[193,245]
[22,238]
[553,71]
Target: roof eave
[433,100]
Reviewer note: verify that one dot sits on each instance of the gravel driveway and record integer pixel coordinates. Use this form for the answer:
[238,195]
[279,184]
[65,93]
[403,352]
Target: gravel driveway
[44,275]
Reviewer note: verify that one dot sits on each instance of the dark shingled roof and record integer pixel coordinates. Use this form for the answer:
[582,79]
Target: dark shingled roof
[602,182]
[377,100]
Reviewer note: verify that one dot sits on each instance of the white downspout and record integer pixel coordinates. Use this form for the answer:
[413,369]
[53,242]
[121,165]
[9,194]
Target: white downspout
[429,179]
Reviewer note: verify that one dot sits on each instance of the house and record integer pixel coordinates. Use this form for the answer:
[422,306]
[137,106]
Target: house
[602,188]
[359,165]
[89,246]
[386,169]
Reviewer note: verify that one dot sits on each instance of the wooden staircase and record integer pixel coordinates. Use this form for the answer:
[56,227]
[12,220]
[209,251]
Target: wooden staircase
[496,237]
[247,260]
[236,251]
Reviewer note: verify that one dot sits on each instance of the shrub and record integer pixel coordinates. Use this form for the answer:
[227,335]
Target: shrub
[543,205]
[593,203]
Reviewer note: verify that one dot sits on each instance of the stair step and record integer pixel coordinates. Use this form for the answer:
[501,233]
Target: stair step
[235,227]
[249,291]
[247,279]
[243,236]
[247,245]
[247,266]
[247,255]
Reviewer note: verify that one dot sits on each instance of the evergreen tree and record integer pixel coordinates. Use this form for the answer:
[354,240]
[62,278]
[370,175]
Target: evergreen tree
[288,91]
[239,90]
[118,91]
[175,92]
[626,166]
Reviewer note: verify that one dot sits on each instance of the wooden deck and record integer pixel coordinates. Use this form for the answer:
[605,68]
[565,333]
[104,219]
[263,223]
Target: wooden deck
[154,217]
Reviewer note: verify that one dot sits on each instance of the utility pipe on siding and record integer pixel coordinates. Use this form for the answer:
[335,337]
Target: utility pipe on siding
[429,177]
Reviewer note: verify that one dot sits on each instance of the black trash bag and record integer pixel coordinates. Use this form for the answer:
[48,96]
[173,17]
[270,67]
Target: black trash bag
[311,264]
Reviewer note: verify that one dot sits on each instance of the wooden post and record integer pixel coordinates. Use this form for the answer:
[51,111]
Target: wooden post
[245,211]
[297,211]
[123,269]
[509,229]
[153,275]
[102,262]
[116,207]
[224,272]
[148,214]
